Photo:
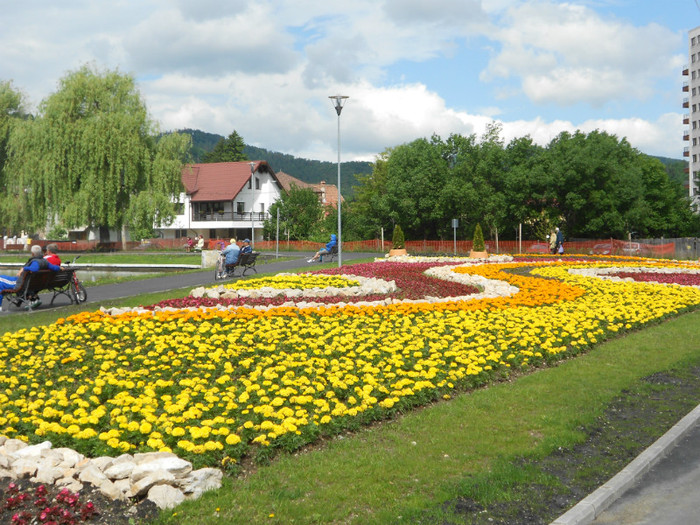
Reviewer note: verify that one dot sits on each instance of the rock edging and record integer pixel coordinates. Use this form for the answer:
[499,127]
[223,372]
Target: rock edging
[161,477]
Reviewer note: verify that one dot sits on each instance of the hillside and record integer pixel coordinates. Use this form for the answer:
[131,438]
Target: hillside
[676,169]
[311,171]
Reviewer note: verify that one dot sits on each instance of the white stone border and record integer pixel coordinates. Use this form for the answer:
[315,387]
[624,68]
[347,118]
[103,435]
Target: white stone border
[605,273]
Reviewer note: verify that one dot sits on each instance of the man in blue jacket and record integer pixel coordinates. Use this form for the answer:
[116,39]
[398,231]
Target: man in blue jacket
[326,250]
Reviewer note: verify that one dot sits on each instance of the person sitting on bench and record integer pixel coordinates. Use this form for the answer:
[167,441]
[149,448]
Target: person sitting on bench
[326,250]
[232,254]
[246,247]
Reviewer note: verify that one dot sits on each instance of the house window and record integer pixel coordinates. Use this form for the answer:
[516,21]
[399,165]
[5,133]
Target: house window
[240,208]
[179,234]
[257,183]
[250,180]
[204,211]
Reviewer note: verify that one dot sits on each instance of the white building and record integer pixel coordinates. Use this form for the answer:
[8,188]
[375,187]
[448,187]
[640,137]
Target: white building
[224,199]
[692,104]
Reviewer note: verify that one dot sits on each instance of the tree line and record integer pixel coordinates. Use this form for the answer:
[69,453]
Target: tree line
[590,185]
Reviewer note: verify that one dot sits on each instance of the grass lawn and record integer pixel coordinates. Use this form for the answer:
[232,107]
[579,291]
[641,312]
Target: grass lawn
[395,471]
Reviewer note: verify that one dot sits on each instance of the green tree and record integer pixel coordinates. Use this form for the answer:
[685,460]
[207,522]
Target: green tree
[12,112]
[300,213]
[229,149]
[92,157]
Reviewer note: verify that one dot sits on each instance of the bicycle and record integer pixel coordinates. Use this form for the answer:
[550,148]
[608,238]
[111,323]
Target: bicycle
[222,271]
[77,288]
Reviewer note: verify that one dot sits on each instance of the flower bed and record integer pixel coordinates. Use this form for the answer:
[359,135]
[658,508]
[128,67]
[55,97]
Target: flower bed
[215,384]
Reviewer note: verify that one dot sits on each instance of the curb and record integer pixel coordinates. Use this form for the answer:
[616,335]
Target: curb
[586,510]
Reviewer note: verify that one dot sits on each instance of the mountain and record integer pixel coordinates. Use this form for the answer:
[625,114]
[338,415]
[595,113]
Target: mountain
[311,171]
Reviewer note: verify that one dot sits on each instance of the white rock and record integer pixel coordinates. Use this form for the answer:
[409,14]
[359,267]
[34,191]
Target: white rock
[34,451]
[176,466]
[201,480]
[13,445]
[120,470]
[165,496]
[24,467]
[92,474]
[102,463]
[144,484]
[110,490]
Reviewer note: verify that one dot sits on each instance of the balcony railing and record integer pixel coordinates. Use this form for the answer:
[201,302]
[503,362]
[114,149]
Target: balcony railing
[686,135]
[228,216]
[686,102]
[686,119]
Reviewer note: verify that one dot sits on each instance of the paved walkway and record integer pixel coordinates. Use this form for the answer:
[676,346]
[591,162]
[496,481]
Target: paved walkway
[101,293]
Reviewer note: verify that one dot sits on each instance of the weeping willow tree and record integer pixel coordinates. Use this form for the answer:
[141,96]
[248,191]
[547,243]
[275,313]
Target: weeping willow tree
[12,112]
[92,157]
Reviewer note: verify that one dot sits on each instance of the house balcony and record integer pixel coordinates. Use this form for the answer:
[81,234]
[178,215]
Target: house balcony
[686,87]
[686,135]
[686,102]
[686,152]
[227,219]
[686,119]
[685,70]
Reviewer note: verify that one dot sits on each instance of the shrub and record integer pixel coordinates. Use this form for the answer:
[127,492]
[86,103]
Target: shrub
[397,239]
[478,241]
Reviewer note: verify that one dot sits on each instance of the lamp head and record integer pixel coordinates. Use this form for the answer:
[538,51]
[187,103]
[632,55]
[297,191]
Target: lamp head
[338,102]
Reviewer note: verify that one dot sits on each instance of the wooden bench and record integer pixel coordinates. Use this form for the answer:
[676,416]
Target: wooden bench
[29,284]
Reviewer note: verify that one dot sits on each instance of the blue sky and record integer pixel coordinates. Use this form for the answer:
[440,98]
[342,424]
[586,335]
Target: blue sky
[410,67]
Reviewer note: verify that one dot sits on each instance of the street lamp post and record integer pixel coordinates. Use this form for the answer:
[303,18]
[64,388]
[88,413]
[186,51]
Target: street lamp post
[338,101]
[252,205]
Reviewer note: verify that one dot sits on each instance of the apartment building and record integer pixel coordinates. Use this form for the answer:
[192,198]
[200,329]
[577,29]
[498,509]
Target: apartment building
[691,102]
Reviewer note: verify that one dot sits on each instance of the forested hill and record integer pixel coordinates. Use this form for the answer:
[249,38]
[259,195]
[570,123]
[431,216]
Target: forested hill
[676,169]
[312,171]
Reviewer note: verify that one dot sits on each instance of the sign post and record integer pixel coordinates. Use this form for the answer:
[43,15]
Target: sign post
[455,225]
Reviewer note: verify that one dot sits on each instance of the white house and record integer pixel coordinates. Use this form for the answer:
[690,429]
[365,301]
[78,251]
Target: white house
[224,199]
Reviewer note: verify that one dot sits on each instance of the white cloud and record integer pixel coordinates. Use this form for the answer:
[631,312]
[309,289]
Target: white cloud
[567,54]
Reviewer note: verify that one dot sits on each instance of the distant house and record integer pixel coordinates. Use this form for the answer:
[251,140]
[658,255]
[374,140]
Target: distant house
[327,193]
[224,200]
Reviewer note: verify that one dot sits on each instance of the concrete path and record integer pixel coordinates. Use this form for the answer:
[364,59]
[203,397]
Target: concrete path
[106,292]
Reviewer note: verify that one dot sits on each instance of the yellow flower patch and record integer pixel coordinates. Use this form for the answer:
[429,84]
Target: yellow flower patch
[210,384]
[293,282]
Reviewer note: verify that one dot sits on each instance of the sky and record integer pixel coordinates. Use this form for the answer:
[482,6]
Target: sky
[411,68]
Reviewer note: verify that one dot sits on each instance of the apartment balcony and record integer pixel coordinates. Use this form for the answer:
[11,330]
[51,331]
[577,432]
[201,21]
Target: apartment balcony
[686,119]
[686,152]
[686,170]
[686,135]
[685,70]
[686,87]
[686,102]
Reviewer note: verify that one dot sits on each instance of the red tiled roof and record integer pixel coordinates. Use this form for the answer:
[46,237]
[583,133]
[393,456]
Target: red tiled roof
[287,181]
[327,193]
[218,181]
